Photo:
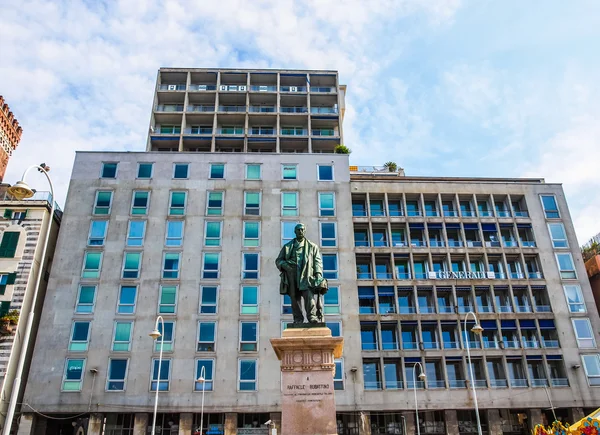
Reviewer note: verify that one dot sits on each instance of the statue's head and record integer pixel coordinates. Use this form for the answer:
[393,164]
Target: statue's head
[300,230]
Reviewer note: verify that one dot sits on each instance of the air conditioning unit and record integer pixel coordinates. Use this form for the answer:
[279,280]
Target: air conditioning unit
[242,88]
[223,88]
[293,89]
[172,87]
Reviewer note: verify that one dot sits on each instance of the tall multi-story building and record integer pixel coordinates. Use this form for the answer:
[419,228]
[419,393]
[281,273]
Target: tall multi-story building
[192,237]
[10,135]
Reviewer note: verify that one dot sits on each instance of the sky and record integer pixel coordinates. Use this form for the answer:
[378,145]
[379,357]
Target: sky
[441,87]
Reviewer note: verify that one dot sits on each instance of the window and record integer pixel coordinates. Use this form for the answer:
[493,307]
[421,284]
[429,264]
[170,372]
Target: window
[8,246]
[165,374]
[180,170]
[6,279]
[251,234]
[103,202]
[210,265]
[145,170]
[206,336]
[139,205]
[252,203]
[109,170]
[574,298]
[330,266]
[91,265]
[177,203]
[338,377]
[117,374]
[550,206]
[217,171]
[135,233]
[335,327]
[289,204]
[167,302]
[86,299]
[328,234]
[558,235]
[73,376]
[253,172]
[250,267]
[214,205]
[286,304]
[166,339]
[248,336]
[566,266]
[127,296]
[212,233]
[208,366]
[15,215]
[289,172]
[97,233]
[131,265]
[174,236]
[591,364]
[287,231]
[584,333]
[247,373]
[80,337]
[331,301]
[122,337]
[249,299]
[171,265]
[326,204]
[325,172]
[208,299]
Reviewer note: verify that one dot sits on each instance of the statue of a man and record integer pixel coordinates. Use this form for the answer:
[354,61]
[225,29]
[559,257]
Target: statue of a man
[301,268]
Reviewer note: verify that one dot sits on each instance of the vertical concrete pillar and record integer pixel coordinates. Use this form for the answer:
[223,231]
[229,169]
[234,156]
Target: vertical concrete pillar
[230,423]
[26,424]
[451,421]
[95,424]
[186,420]
[364,423]
[575,414]
[535,417]
[494,421]
[140,424]
[409,417]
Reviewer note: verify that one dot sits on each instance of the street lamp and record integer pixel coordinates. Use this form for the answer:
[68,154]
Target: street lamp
[20,191]
[477,329]
[155,335]
[202,379]
[422,377]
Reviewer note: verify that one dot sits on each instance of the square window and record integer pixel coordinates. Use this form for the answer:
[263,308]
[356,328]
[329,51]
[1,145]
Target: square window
[214,205]
[550,206]
[253,172]
[250,267]
[325,172]
[330,266]
[73,375]
[591,364]
[210,265]
[335,327]
[558,235]
[9,243]
[171,265]
[135,233]
[249,300]
[167,332]
[248,336]
[574,298]
[139,205]
[80,337]
[180,170]
[97,233]
[177,203]
[145,170]
[117,374]
[286,304]
[289,172]
[165,374]
[174,236]
[212,233]
[131,265]
[109,170]
[91,265]
[584,333]
[208,299]
[252,203]
[289,204]
[103,202]
[86,299]
[247,375]
[287,231]
[167,302]
[326,204]
[566,266]
[328,234]
[331,301]
[127,296]
[205,370]
[206,336]
[217,171]
[122,337]
[338,377]
[251,233]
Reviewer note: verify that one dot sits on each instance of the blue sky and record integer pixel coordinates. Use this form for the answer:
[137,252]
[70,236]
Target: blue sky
[442,87]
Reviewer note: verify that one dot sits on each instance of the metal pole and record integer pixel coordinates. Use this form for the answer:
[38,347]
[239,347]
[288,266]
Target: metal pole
[28,328]
[471,371]
[415,390]
[202,374]
[551,405]
[162,340]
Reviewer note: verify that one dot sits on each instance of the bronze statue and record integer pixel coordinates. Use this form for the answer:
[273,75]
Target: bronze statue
[301,268]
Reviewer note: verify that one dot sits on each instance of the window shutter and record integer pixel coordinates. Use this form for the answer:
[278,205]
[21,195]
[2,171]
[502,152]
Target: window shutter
[25,213]
[8,246]
[11,278]
[7,214]
[4,308]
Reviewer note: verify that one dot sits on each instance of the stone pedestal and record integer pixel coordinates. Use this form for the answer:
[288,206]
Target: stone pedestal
[307,367]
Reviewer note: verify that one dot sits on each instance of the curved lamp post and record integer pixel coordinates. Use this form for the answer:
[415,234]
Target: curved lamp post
[155,335]
[421,377]
[477,329]
[203,380]
[20,191]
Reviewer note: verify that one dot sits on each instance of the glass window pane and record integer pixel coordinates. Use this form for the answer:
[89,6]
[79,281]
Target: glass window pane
[144,170]
[253,172]
[289,172]
[217,170]
[109,170]
[181,170]
[325,172]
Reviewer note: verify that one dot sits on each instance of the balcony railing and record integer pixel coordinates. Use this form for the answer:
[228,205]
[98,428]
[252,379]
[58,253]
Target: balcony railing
[516,275]
[435,383]
[512,344]
[418,243]
[490,345]
[389,346]
[168,130]
[359,213]
[518,383]
[323,132]
[200,108]
[421,275]
[559,382]
[396,213]
[419,384]
[505,309]
[427,310]
[230,109]
[263,88]
[39,195]
[431,213]
[543,308]
[437,243]
[174,87]
[474,344]
[369,346]
[324,110]
[503,213]
[238,131]
[292,88]
[551,344]
[364,275]
[380,243]
[297,109]
[521,214]
[322,89]
[169,108]
[485,213]
[457,383]
[511,244]
[376,212]
[539,382]
[198,130]
[403,275]
[450,213]
[445,309]
[524,309]
[455,243]
[535,275]
[451,345]
[474,244]
[484,309]
[362,243]
[409,345]
[262,131]
[498,383]
[372,385]
[528,243]
[262,109]
[399,243]
[293,132]
[492,244]
[531,344]
[407,310]
[413,213]
[480,383]
[429,345]
[464,309]
[467,213]
[393,385]
[384,275]
[200,87]
[386,308]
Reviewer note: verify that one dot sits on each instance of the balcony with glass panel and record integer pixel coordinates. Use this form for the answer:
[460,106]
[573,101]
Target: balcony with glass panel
[263,88]
[466,209]
[392,369]
[483,209]
[444,302]
[519,383]
[454,237]
[262,130]
[508,238]
[386,299]
[361,238]
[417,237]
[389,336]
[409,336]
[406,304]
[549,335]
[425,300]
[293,89]
[199,130]
[483,301]
[293,131]
[324,132]
[359,208]
[169,108]
[450,339]
[380,239]
[559,382]
[395,206]
[293,109]
[368,336]
[489,335]
[429,336]
[323,110]
[376,207]
[200,108]
[172,86]
[448,208]
[463,301]
[262,109]
[436,238]
[398,237]
[402,267]
[363,270]
[431,208]
[521,299]
[412,208]
[502,210]
[366,300]
[371,375]
[202,87]
[383,269]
